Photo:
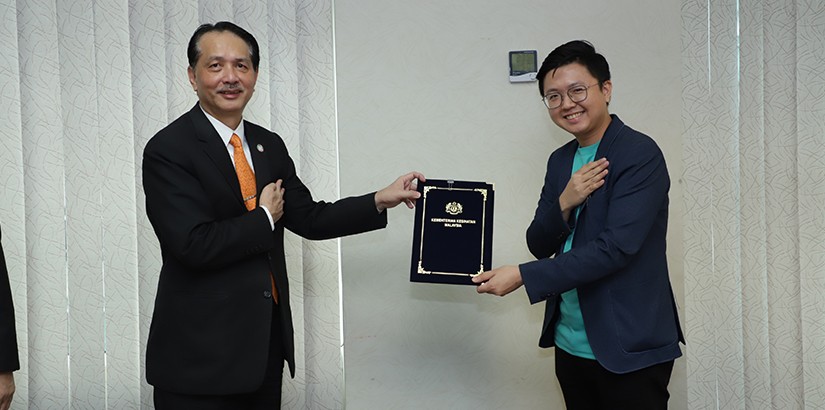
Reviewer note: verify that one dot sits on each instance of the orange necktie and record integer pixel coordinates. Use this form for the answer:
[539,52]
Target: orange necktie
[245,175]
[247,180]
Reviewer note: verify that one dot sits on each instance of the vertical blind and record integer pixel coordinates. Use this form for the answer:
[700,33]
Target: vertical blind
[754,124]
[85,84]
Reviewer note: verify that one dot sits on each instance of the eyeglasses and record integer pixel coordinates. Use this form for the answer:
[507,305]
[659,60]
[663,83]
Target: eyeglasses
[577,94]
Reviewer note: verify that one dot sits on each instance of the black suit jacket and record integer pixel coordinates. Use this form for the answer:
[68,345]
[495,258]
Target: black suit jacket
[211,324]
[9,361]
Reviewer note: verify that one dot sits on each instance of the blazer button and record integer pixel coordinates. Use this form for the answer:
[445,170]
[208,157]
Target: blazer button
[267,294]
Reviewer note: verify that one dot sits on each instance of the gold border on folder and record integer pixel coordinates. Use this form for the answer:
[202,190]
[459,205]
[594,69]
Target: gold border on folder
[421,269]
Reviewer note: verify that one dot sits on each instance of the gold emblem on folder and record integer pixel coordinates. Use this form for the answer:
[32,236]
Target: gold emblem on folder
[454,208]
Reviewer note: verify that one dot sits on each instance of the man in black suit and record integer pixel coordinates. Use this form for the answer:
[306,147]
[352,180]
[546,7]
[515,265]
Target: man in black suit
[9,361]
[222,326]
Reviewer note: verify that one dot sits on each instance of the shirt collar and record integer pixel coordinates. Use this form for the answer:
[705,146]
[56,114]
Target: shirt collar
[224,131]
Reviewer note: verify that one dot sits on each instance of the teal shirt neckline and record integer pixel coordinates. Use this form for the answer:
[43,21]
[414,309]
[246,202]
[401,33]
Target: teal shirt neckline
[570,332]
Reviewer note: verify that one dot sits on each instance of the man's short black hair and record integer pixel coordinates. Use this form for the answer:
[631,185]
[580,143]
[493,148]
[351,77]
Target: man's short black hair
[576,51]
[194,52]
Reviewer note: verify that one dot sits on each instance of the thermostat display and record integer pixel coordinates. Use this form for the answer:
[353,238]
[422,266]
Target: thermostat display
[523,66]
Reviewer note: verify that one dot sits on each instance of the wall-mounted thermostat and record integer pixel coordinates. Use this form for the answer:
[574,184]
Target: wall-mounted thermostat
[523,66]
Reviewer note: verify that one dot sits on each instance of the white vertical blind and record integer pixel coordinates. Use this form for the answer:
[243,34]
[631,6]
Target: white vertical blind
[754,117]
[85,84]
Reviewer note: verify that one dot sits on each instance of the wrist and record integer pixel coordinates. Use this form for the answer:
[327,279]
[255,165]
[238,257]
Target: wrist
[268,216]
[564,205]
[380,205]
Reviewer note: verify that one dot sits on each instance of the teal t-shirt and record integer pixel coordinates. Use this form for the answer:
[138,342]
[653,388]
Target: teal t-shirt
[570,333]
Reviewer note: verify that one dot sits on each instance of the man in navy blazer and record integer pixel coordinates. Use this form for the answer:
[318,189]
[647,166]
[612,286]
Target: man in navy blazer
[599,238]
[222,328]
[9,360]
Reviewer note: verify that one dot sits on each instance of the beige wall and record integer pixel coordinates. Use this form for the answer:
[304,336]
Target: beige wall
[423,85]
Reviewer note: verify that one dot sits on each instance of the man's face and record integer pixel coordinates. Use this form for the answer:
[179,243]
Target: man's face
[588,119]
[223,76]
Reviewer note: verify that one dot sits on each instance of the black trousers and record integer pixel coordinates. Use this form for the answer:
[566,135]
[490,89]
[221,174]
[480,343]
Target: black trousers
[587,385]
[268,396]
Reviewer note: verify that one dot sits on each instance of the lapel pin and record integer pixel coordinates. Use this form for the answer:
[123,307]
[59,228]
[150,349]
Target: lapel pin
[260,148]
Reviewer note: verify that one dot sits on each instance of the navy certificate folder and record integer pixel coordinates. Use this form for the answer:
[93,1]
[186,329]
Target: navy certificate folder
[453,233]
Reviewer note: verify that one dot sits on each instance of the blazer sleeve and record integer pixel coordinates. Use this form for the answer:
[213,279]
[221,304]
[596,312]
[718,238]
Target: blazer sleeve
[188,222]
[636,197]
[318,220]
[548,230]
[9,360]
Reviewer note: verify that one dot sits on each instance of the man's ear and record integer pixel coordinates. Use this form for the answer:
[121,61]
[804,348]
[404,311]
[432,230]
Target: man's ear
[191,73]
[607,89]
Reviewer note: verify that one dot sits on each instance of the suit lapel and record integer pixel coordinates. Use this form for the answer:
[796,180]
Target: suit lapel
[256,137]
[610,134]
[259,156]
[212,145]
[566,164]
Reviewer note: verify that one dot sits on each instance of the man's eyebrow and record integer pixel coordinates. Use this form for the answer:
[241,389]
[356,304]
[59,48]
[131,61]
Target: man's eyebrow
[574,85]
[222,58]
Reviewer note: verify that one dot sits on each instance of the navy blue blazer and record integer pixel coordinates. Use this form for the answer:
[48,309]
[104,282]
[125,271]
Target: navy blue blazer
[617,262]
